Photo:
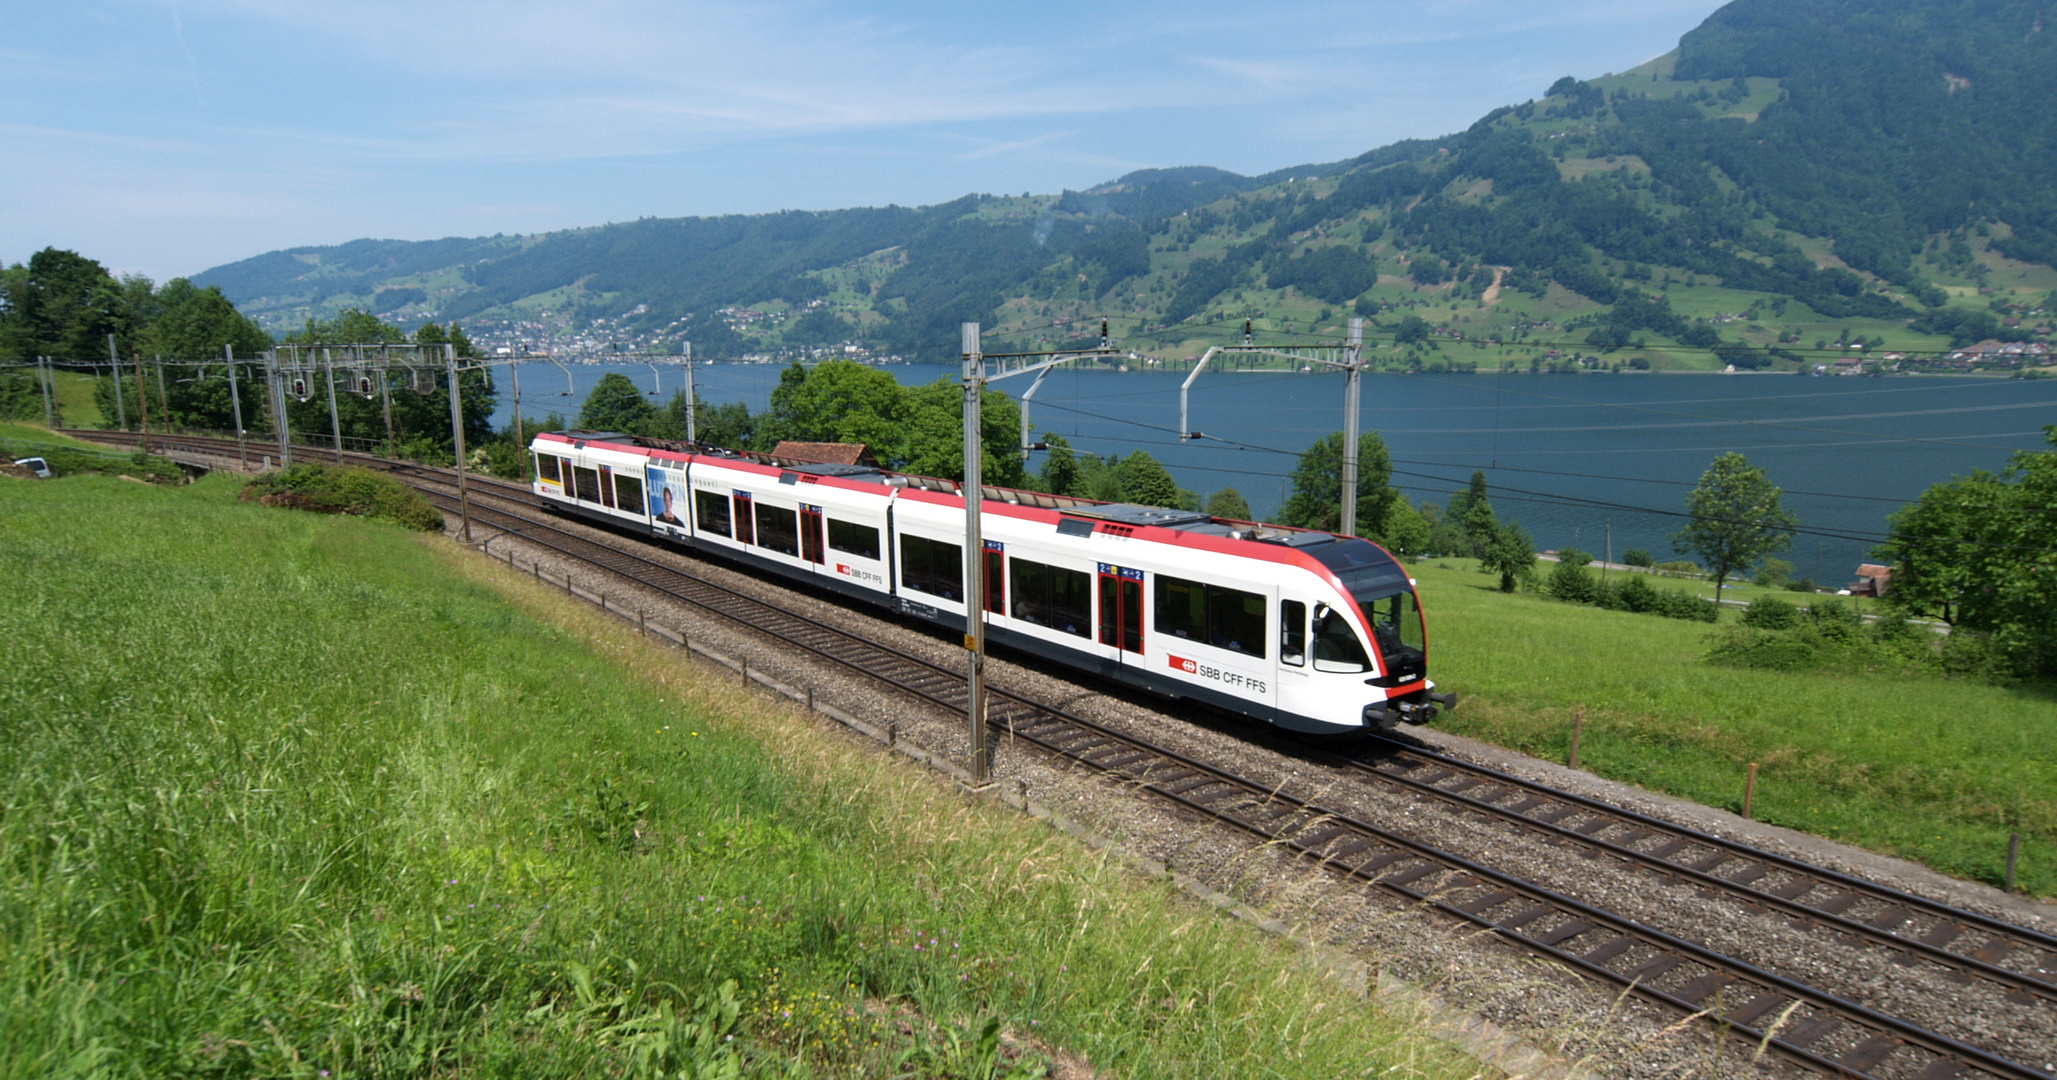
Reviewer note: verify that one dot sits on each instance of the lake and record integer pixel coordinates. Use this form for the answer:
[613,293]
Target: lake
[1579,460]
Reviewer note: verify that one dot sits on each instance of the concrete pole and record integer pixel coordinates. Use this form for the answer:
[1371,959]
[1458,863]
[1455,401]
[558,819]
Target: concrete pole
[457,439]
[142,399]
[521,439]
[49,409]
[1355,371]
[276,380]
[228,352]
[974,556]
[328,363]
[692,402]
[121,409]
[386,396]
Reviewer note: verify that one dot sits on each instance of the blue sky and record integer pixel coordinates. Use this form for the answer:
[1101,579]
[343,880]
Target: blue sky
[165,138]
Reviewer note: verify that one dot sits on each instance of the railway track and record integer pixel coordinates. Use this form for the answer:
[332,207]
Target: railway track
[1810,1026]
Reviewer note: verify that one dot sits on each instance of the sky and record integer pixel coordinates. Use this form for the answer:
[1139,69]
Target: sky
[165,138]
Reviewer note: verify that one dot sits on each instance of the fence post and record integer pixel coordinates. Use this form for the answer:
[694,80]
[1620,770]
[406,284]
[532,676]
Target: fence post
[1578,731]
[2013,855]
[1750,791]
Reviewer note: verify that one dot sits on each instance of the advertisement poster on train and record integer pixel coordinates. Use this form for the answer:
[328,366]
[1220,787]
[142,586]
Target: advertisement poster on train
[667,493]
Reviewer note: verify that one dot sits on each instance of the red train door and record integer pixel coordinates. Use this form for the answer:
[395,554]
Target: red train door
[1121,608]
[996,577]
[810,533]
[746,518]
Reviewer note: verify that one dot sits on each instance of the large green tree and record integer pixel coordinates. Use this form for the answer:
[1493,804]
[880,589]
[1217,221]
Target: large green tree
[1736,519]
[1510,554]
[616,405]
[1317,497]
[841,402]
[1981,553]
[1144,480]
[62,304]
[934,415]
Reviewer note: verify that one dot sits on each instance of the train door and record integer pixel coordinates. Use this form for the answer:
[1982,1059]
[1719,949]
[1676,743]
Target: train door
[746,518]
[1121,608]
[996,577]
[606,493]
[810,533]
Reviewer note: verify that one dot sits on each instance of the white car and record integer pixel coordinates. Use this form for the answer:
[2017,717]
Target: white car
[35,465]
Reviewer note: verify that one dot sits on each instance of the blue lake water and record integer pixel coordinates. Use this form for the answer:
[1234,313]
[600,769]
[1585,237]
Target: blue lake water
[1573,458]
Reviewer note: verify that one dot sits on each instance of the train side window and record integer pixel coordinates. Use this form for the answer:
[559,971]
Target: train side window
[1052,596]
[778,529]
[1336,647]
[851,538]
[1225,618]
[628,491]
[1292,632]
[586,484]
[546,467]
[711,512]
[932,566]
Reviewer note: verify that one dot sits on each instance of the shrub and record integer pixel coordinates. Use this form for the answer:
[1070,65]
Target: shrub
[1771,613]
[1637,557]
[1678,567]
[1774,574]
[1570,580]
[1679,605]
[1835,620]
[327,490]
[1804,585]
[1634,594]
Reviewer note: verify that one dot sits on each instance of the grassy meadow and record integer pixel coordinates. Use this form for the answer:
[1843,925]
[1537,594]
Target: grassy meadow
[1931,769]
[286,795]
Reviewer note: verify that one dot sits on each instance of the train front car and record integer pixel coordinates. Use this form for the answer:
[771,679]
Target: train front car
[1353,647]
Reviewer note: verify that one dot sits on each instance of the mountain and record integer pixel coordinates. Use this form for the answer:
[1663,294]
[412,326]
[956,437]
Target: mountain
[1795,173]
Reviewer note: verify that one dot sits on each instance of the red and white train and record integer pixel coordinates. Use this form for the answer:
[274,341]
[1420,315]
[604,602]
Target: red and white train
[1307,630]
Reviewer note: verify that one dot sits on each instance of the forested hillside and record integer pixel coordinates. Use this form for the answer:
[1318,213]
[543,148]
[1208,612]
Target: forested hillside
[1800,181]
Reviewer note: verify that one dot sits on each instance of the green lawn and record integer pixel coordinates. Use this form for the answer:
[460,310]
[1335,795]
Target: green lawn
[287,795]
[1935,770]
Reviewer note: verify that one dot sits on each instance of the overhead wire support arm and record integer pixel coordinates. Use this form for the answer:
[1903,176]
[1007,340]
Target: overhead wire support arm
[1351,362]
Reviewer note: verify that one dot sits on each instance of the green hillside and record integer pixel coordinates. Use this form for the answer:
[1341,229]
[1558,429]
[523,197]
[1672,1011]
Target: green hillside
[1796,183]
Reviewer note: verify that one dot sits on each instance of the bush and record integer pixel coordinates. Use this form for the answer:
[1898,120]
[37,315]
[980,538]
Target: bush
[1570,580]
[1835,620]
[1771,613]
[1804,585]
[1679,567]
[1633,594]
[359,491]
[1774,574]
[1637,557]
[1680,605]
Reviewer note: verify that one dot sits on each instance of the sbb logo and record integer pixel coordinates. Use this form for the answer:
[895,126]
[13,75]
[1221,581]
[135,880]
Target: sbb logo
[1190,667]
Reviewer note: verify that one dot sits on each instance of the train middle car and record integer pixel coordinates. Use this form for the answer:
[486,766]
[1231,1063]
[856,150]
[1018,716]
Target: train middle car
[1307,630]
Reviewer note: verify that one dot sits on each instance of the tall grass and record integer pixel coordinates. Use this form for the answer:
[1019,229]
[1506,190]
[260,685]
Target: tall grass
[283,795]
[1937,770]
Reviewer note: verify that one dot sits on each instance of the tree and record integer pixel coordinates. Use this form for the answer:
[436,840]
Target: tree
[1060,474]
[1229,503]
[194,324]
[616,405]
[841,402]
[1736,519]
[1638,557]
[1978,553]
[1316,501]
[1472,513]
[934,421]
[1145,481]
[1408,531]
[1510,554]
[63,304]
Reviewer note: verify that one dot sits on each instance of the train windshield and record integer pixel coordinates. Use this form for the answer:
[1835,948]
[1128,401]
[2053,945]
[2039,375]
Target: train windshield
[1383,592]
